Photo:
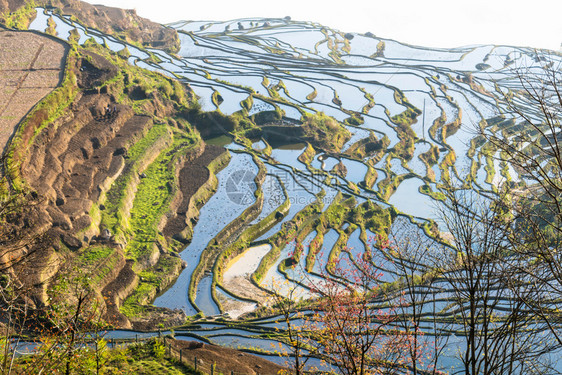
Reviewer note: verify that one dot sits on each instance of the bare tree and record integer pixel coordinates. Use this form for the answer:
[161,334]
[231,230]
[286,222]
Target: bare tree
[497,332]
[530,141]
[288,310]
[413,256]
[529,137]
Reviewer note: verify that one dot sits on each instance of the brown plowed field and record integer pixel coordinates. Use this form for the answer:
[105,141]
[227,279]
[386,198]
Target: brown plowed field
[31,66]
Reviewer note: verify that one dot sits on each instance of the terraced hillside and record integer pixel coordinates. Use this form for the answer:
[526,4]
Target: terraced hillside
[332,141]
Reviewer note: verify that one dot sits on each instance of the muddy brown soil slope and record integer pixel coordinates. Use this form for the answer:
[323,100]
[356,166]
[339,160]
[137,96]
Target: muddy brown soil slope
[70,163]
[193,175]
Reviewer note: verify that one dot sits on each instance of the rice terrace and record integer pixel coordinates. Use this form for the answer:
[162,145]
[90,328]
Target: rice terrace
[329,202]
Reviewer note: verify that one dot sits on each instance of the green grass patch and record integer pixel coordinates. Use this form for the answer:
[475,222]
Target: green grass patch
[150,357]
[325,131]
[153,196]
[21,18]
[113,216]
[95,254]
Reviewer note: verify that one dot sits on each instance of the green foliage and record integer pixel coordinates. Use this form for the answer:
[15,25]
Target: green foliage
[21,18]
[407,117]
[247,103]
[158,349]
[165,88]
[179,93]
[431,156]
[335,214]
[373,217]
[153,196]
[447,163]
[325,131]
[145,358]
[124,53]
[308,154]
[265,117]
[405,148]
[437,195]
[114,216]
[136,86]
[94,254]
[74,37]
[210,124]
[354,120]
[51,27]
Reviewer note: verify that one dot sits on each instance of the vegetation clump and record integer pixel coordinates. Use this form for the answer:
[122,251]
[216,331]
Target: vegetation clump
[325,131]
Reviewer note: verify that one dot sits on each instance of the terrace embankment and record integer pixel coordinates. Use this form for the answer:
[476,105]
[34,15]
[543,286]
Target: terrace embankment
[73,164]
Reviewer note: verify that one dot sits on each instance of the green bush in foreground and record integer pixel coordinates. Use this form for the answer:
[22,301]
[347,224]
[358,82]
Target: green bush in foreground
[147,358]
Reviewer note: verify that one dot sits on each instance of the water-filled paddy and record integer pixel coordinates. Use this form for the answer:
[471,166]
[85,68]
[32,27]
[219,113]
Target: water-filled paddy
[409,200]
